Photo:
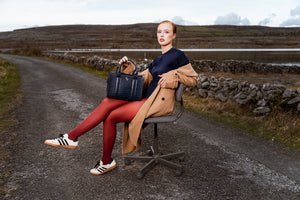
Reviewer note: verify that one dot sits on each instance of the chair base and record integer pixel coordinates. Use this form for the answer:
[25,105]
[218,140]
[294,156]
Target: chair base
[155,158]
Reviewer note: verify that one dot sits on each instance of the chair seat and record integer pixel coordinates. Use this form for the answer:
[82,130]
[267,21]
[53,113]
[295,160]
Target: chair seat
[161,119]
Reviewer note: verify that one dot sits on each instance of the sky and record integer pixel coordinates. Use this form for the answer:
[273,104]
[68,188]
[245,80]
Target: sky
[17,14]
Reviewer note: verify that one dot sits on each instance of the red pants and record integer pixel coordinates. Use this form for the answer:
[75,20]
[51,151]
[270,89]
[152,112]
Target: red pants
[110,111]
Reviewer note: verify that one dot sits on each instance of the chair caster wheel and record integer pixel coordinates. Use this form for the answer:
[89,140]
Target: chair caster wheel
[127,161]
[179,172]
[140,175]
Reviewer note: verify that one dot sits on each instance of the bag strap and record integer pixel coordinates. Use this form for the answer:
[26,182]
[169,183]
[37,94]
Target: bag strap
[135,70]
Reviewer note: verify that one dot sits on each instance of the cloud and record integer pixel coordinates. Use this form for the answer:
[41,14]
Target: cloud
[180,21]
[295,12]
[294,21]
[291,22]
[266,20]
[231,19]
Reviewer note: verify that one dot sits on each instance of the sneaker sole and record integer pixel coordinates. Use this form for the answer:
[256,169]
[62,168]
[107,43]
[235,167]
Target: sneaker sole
[109,169]
[64,146]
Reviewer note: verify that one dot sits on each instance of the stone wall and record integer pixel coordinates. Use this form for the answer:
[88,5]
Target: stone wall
[262,98]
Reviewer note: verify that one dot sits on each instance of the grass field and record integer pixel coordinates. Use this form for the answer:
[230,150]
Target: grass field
[9,100]
[144,36]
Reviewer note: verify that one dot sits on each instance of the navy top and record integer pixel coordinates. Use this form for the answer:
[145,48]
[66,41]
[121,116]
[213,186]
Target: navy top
[168,61]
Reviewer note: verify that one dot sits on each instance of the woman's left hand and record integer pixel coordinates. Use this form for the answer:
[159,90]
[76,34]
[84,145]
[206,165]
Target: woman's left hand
[162,81]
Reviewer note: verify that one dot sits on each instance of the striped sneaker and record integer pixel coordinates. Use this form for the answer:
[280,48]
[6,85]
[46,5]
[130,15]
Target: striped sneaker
[62,141]
[101,169]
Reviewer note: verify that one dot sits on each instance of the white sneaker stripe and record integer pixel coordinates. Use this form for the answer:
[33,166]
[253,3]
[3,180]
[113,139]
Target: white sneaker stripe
[66,142]
[101,169]
[60,142]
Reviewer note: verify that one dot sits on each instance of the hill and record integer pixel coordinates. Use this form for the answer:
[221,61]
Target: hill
[144,36]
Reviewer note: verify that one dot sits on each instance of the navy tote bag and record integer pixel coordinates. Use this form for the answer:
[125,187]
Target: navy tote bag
[125,86]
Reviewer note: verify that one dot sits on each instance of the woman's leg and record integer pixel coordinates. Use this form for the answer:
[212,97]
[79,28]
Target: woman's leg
[124,113]
[96,117]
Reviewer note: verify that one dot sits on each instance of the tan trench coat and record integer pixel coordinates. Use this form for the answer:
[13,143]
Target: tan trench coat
[161,102]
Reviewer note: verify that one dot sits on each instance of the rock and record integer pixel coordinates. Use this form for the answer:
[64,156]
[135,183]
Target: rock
[221,79]
[274,91]
[233,84]
[214,84]
[252,94]
[202,78]
[266,86]
[225,89]
[294,100]
[240,96]
[262,103]
[259,95]
[288,93]
[205,85]
[211,93]
[213,79]
[261,110]
[298,107]
[253,87]
[228,79]
[199,85]
[221,96]
[202,93]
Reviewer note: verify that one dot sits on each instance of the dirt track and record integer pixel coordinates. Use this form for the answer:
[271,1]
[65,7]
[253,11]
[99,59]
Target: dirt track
[221,163]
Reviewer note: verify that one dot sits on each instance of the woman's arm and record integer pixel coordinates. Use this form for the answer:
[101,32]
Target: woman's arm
[184,74]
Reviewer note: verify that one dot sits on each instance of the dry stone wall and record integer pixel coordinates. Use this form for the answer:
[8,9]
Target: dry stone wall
[262,98]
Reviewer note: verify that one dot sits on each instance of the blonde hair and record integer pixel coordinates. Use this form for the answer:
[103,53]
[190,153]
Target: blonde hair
[167,21]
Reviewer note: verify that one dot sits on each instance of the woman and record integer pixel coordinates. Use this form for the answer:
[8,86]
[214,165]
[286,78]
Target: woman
[160,81]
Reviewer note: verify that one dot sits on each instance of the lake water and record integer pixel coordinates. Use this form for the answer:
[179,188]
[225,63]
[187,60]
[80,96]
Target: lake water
[274,56]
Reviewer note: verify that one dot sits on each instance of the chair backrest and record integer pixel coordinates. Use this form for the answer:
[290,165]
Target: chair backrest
[178,94]
[178,97]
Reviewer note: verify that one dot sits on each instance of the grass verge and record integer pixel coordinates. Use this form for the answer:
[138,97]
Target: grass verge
[279,126]
[9,99]
[82,66]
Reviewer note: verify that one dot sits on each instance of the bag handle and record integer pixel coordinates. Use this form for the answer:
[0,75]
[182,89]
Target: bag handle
[134,72]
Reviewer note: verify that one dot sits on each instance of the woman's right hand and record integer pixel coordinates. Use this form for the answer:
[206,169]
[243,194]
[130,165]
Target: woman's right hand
[123,60]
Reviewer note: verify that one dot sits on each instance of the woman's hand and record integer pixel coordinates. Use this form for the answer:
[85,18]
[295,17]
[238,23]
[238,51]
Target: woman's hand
[162,81]
[123,60]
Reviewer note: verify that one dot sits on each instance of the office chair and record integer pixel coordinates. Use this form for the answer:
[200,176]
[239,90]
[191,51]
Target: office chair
[153,156]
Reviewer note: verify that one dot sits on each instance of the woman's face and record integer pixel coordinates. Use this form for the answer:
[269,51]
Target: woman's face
[165,34]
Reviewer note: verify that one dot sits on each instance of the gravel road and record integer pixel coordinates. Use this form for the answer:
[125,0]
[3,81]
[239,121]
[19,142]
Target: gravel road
[220,162]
